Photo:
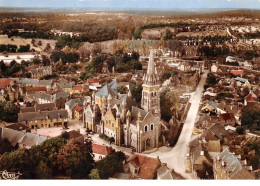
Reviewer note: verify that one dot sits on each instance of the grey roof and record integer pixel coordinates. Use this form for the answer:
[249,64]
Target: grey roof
[19,137]
[41,70]
[105,91]
[135,112]
[26,81]
[44,107]
[45,82]
[43,96]
[164,173]
[240,79]
[73,102]
[60,95]
[62,85]
[211,103]
[129,102]
[113,84]
[31,116]
[27,109]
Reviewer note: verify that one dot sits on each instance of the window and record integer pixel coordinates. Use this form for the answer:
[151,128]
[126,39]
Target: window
[145,128]
[109,122]
[100,157]
[112,124]
[151,126]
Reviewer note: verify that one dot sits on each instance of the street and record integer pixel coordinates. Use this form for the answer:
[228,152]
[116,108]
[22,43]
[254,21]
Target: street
[175,157]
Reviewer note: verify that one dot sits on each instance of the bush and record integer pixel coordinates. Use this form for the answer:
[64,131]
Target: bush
[103,136]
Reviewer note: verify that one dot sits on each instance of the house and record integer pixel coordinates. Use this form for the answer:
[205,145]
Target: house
[164,173]
[210,106]
[216,132]
[227,119]
[143,167]
[19,127]
[93,84]
[232,59]
[78,112]
[44,119]
[22,139]
[243,82]
[71,104]
[226,166]
[65,87]
[210,95]
[41,72]
[237,72]
[101,151]
[78,89]
[213,148]
[251,98]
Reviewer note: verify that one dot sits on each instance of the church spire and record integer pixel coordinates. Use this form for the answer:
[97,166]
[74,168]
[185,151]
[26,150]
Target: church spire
[151,76]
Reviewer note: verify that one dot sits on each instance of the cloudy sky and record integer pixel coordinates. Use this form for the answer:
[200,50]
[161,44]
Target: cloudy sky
[160,4]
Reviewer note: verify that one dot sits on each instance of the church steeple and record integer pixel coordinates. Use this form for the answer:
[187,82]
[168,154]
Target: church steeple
[150,95]
[151,77]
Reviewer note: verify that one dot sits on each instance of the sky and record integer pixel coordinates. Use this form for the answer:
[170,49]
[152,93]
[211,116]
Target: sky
[153,4]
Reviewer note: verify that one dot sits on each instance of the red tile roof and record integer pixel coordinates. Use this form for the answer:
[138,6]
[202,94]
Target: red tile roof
[227,116]
[147,166]
[40,89]
[78,108]
[250,98]
[102,149]
[5,83]
[237,72]
[77,87]
[93,81]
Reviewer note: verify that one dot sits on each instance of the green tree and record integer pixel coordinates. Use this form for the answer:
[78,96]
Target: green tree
[8,111]
[121,89]
[168,35]
[5,146]
[94,174]
[136,91]
[211,79]
[251,119]
[79,165]
[240,130]
[169,104]
[43,171]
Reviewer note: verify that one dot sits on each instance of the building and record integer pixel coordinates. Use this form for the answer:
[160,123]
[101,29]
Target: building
[226,166]
[71,104]
[251,98]
[143,167]
[101,151]
[227,119]
[44,119]
[164,173]
[214,68]
[150,95]
[41,72]
[78,112]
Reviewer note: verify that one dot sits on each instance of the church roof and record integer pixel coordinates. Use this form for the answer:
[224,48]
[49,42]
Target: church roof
[105,91]
[135,112]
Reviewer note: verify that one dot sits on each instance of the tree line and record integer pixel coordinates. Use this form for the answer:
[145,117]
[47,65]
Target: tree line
[14,48]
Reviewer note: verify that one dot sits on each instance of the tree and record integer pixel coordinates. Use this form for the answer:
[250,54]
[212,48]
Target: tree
[251,119]
[8,111]
[43,171]
[211,79]
[136,91]
[79,165]
[48,47]
[173,100]
[240,130]
[94,174]
[121,89]
[168,35]
[45,60]
[5,146]
[110,165]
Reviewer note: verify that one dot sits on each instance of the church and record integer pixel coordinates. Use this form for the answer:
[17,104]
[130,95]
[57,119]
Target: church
[118,117]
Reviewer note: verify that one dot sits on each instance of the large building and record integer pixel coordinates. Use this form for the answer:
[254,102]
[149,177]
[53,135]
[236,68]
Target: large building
[118,117]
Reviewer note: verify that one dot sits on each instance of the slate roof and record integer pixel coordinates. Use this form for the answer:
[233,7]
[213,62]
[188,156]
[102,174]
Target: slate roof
[216,132]
[27,109]
[31,116]
[102,149]
[27,139]
[113,84]
[62,85]
[211,103]
[129,102]
[135,111]
[105,91]
[164,173]
[240,79]
[60,95]
[73,102]
[45,82]
[5,83]
[43,96]
[26,81]
[233,167]
[147,166]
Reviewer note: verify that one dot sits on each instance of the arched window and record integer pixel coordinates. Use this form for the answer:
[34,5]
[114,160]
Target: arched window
[145,128]
[151,126]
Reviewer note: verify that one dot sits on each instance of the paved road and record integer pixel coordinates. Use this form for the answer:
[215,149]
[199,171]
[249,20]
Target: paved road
[175,157]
